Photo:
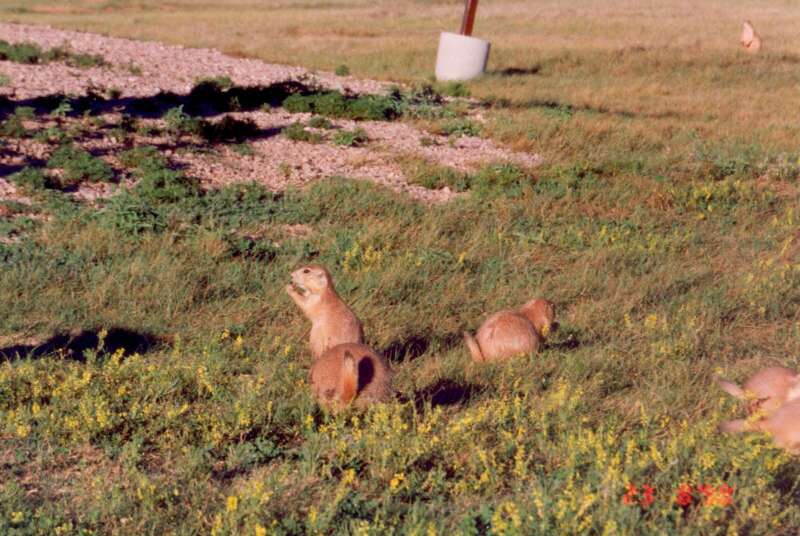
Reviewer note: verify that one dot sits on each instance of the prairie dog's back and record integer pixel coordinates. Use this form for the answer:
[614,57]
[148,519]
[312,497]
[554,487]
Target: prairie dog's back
[351,373]
[769,388]
[506,334]
[784,425]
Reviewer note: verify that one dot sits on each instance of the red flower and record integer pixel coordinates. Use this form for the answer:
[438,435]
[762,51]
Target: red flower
[630,495]
[684,498]
[647,496]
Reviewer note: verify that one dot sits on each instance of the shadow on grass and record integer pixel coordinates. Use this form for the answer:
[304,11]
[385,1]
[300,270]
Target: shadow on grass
[567,110]
[74,346]
[517,71]
[205,99]
[446,393]
[414,346]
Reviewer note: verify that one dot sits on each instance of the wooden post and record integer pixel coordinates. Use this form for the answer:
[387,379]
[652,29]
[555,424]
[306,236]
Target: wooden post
[470,6]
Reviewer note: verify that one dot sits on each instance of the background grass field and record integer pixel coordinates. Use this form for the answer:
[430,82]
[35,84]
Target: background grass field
[664,224]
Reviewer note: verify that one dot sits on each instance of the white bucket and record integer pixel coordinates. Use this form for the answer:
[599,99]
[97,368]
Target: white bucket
[461,57]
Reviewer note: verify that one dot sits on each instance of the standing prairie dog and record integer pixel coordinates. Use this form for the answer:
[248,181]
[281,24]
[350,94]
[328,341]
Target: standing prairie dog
[751,41]
[509,333]
[351,373]
[767,390]
[783,425]
[332,321]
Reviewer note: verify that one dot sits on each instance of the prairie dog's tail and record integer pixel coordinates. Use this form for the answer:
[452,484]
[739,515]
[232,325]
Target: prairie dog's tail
[474,347]
[732,389]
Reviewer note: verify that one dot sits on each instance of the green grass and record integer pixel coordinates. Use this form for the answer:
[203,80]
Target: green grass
[31,53]
[663,224]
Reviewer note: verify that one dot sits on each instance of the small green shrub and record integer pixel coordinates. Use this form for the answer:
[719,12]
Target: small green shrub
[31,53]
[29,180]
[351,138]
[20,53]
[342,70]
[335,104]
[297,132]
[297,104]
[243,149]
[460,127]
[221,83]
[435,177]
[501,178]
[14,125]
[159,186]
[320,122]
[53,135]
[453,89]
[179,123]
[142,158]
[78,165]
[250,248]
[133,215]
[84,61]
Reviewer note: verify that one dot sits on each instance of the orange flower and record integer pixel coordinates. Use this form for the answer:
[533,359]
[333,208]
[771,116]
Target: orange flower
[630,495]
[684,498]
[721,496]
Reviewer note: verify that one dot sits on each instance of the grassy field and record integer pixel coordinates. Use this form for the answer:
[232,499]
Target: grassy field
[664,225]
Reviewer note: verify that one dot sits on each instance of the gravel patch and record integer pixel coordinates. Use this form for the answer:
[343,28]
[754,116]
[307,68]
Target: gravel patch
[142,69]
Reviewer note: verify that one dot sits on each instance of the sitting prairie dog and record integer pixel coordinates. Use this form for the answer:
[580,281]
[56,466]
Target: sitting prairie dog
[509,333]
[767,390]
[750,39]
[783,425]
[351,373]
[332,321]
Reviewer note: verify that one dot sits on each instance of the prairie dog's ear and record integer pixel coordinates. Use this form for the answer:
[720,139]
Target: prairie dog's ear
[732,389]
[349,380]
[733,427]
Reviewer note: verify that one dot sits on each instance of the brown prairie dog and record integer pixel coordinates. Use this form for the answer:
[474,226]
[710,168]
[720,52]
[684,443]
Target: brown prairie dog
[783,425]
[332,321]
[351,373]
[750,39]
[507,334]
[767,390]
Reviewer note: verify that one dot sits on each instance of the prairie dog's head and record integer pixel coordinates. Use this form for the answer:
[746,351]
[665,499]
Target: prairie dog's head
[312,279]
[542,314]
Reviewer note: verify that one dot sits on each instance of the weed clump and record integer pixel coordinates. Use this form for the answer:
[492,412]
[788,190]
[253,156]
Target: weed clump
[79,165]
[14,125]
[30,180]
[351,138]
[297,132]
[500,178]
[320,122]
[457,128]
[335,104]
[179,123]
[31,53]
[142,158]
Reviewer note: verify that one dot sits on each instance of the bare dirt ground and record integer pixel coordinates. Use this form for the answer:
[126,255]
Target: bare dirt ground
[137,70]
